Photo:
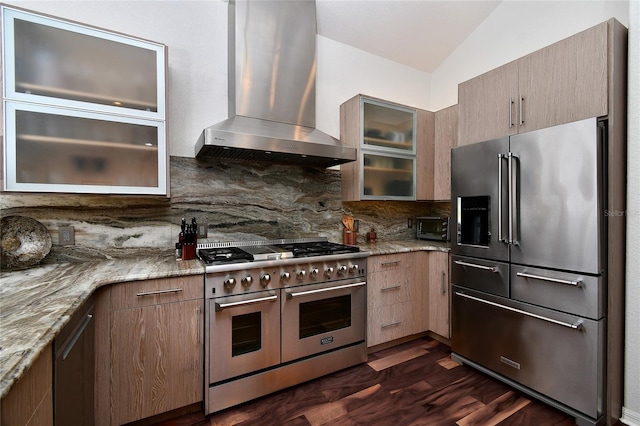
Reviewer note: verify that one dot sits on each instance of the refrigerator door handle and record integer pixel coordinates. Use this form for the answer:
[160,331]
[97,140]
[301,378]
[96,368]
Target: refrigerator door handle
[500,157]
[576,283]
[473,265]
[512,198]
[575,326]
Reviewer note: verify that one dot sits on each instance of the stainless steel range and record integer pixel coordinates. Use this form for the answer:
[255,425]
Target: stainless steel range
[279,313]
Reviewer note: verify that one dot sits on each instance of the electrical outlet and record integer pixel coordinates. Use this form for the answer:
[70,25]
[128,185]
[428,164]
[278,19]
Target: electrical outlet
[409,223]
[202,230]
[66,236]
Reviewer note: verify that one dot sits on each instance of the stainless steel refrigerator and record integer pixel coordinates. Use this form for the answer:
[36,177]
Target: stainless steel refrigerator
[528,263]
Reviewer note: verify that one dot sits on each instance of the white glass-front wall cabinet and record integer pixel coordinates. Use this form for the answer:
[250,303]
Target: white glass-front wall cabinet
[385,134]
[84,109]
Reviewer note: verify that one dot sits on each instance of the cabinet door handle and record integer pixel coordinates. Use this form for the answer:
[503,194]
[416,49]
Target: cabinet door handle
[76,336]
[394,262]
[198,323]
[393,287]
[391,324]
[151,293]
[442,286]
[511,103]
[521,112]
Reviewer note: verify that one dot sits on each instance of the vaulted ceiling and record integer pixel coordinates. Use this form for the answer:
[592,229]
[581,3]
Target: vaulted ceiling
[417,33]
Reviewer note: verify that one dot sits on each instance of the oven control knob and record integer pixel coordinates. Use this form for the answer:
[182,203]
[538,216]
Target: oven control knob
[246,281]
[328,272]
[265,279]
[285,276]
[342,269]
[300,274]
[313,272]
[354,269]
[229,283]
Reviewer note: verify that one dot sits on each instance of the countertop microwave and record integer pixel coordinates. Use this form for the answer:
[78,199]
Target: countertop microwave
[433,228]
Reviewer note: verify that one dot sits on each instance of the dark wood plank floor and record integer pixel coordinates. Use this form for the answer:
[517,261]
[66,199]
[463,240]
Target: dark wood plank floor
[415,383]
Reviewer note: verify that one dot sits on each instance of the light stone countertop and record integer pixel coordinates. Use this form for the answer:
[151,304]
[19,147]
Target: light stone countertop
[36,303]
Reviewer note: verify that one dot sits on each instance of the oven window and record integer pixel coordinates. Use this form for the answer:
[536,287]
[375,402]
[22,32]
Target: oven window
[246,333]
[474,220]
[325,315]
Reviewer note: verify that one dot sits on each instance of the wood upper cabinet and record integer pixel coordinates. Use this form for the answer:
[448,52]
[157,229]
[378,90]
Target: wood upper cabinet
[393,298]
[395,150]
[564,82]
[439,293]
[156,347]
[446,137]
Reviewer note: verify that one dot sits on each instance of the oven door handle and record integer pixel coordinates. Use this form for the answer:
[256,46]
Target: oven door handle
[221,306]
[291,295]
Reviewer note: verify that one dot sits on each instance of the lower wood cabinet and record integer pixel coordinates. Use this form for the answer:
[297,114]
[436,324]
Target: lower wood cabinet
[407,293]
[393,298]
[30,400]
[439,318]
[155,349]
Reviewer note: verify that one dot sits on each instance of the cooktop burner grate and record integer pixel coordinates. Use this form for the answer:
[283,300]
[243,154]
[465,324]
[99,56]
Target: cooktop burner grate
[248,251]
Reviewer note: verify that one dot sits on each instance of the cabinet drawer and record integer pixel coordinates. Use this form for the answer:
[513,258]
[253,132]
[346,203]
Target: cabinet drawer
[390,287]
[389,262]
[153,292]
[391,322]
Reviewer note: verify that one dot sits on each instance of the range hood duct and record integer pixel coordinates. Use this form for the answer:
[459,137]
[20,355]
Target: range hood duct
[272,89]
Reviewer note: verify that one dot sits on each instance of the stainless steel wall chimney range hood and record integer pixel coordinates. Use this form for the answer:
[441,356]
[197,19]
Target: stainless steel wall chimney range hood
[272,81]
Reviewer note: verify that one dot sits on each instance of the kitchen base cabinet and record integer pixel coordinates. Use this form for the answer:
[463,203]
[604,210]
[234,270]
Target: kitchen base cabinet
[30,400]
[439,294]
[155,349]
[393,298]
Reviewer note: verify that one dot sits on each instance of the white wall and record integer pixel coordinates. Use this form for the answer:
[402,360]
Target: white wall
[631,410]
[516,28]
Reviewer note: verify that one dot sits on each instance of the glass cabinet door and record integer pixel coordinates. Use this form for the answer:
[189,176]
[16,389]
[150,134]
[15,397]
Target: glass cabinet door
[388,126]
[76,66]
[56,150]
[388,153]
[388,177]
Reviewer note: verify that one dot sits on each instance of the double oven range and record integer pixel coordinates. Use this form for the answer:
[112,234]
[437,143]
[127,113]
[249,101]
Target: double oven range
[278,313]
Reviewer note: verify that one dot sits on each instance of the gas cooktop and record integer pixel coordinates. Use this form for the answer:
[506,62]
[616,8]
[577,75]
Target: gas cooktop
[251,251]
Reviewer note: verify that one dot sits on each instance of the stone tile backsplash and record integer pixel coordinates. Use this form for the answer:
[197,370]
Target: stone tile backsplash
[236,200]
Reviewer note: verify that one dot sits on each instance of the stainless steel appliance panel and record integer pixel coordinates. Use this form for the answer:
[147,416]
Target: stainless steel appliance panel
[558,198]
[479,274]
[336,310]
[556,354]
[475,172]
[244,334]
[569,292]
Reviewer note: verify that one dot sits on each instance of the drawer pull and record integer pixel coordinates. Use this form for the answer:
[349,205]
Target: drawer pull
[151,293]
[393,262]
[576,283]
[394,287]
[391,324]
[473,265]
[575,326]
[443,289]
